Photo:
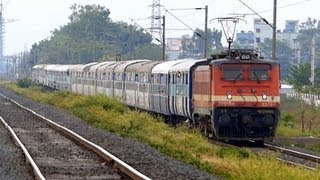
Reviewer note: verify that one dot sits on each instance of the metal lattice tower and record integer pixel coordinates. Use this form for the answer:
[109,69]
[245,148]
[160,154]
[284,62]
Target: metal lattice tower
[156,19]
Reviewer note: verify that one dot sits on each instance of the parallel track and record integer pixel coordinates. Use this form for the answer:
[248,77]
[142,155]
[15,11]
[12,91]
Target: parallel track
[294,157]
[46,167]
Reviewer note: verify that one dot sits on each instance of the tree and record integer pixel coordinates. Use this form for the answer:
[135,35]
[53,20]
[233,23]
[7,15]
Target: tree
[299,75]
[307,31]
[152,52]
[193,47]
[89,36]
[284,54]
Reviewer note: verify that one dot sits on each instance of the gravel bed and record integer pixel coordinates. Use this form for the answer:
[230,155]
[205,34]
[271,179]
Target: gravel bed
[57,156]
[143,158]
[13,164]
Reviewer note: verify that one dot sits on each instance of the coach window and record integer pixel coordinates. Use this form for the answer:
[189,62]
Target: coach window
[136,77]
[259,74]
[232,74]
[186,80]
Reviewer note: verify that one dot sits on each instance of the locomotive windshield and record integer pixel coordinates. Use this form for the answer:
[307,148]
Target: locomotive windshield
[259,74]
[232,74]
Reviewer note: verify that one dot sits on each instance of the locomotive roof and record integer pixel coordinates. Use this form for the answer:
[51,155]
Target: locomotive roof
[233,61]
[239,56]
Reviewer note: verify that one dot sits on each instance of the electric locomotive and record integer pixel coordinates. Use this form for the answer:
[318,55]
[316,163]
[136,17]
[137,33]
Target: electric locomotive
[236,96]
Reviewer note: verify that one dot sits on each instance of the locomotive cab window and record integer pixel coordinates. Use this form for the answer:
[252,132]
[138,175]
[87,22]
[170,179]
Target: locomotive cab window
[232,74]
[259,74]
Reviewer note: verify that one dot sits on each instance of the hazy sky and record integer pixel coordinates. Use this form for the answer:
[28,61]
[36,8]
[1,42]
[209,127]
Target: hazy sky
[37,18]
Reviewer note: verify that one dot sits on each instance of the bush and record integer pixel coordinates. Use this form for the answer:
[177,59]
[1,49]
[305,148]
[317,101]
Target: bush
[288,120]
[24,82]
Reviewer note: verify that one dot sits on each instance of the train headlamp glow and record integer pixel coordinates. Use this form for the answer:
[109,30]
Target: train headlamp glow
[264,95]
[229,95]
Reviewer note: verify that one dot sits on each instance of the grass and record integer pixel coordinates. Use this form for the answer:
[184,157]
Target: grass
[295,115]
[180,142]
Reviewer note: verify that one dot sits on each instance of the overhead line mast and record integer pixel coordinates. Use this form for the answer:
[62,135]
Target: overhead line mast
[156,19]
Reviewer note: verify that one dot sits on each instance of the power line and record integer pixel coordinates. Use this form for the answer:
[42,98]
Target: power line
[184,23]
[284,6]
[146,31]
[256,13]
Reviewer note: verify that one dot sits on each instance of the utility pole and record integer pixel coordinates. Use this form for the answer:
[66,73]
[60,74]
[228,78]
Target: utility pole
[206,32]
[298,53]
[274,28]
[131,42]
[313,48]
[163,38]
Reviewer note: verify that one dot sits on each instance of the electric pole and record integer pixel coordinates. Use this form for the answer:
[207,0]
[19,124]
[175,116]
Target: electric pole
[206,33]
[274,28]
[313,48]
[163,38]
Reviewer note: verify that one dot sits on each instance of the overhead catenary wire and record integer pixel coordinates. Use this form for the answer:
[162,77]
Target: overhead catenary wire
[267,10]
[146,31]
[256,13]
[198,34]
[285,6]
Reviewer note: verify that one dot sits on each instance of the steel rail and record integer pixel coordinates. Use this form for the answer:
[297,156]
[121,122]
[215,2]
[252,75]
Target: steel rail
[124,167]
[294,153]
[29,159]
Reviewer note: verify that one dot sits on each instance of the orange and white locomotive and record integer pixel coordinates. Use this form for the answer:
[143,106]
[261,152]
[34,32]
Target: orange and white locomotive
[237,97]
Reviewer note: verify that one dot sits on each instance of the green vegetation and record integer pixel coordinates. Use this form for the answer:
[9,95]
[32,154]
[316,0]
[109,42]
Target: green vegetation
[24,82]
[91,35]
[181,143]
[298,118]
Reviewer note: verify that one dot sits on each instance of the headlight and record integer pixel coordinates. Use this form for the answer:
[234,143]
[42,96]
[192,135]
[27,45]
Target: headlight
[229,96]
[264,95]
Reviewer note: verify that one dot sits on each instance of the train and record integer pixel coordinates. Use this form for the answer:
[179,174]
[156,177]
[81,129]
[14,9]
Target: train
[234,95]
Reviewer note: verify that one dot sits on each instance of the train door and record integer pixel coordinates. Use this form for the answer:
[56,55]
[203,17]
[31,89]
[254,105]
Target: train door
[180,92]
[172,92]
[163,94]
[138,80]
[155,93]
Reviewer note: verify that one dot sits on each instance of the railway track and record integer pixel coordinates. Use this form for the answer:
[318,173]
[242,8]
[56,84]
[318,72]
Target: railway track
[288,156]
[56,152]
[294,157]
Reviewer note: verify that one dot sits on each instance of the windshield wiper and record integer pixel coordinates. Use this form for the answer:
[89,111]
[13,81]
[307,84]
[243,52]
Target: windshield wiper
[254,73]
[239,75]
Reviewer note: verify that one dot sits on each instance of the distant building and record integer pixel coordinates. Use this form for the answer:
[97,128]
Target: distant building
[173,48]
[245,40]
[289,35]
[292,26]
[261,30]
